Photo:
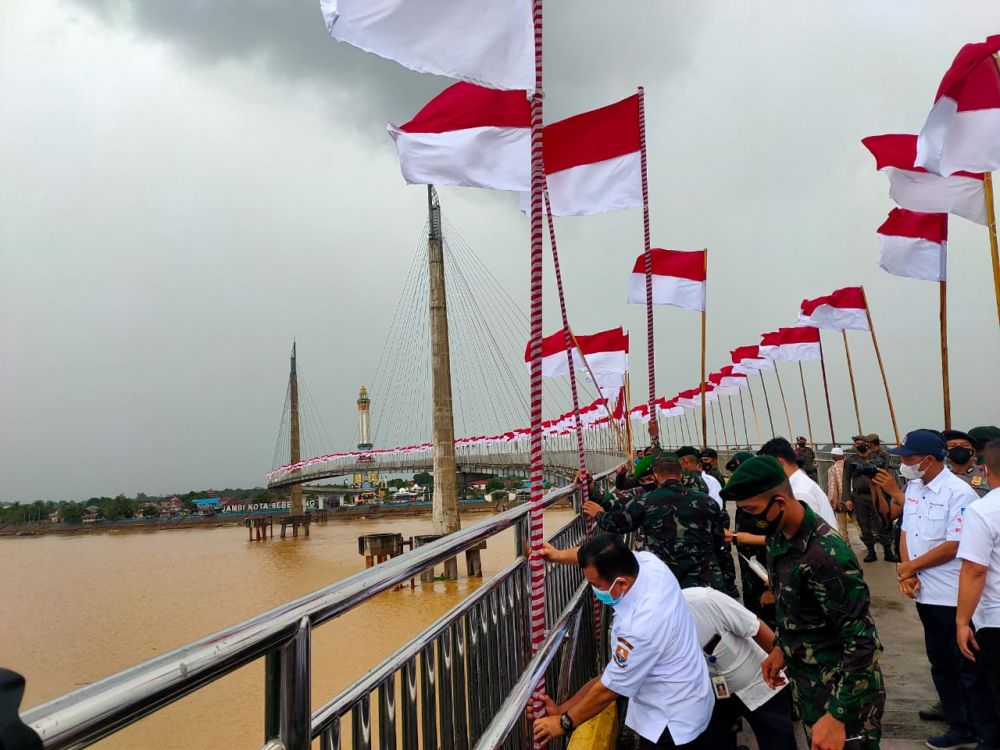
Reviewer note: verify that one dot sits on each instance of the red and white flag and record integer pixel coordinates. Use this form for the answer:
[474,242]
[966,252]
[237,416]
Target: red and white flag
[916,189]
[605,352]
[678,279]
[470,136]
[770,344]
[799,343]
[726,381]
[592,161]
[914,245]
[749,359]
[962,132]
[480,41]
[844,309]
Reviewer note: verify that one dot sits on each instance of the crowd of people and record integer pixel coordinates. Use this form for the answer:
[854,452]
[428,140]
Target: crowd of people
[697,647]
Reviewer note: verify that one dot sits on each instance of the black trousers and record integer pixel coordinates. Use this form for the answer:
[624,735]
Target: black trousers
[989,662]
[771,723]
[965,698]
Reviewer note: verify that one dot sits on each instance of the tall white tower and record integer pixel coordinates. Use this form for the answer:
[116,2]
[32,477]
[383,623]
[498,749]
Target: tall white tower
[364,420]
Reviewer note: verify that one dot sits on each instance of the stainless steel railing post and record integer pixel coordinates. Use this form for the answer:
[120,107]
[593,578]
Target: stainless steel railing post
[295,729]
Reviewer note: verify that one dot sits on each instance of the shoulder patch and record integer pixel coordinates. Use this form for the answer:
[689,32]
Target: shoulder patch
[622,650]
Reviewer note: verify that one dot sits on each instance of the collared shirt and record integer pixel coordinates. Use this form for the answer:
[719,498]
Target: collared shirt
[981,544]
[737,657]
[835,485]
[656,661]
[810,493]
[975,477]
[714,489]
[932,515]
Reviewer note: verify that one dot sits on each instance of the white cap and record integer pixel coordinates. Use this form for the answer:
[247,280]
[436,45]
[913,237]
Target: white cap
[838,451]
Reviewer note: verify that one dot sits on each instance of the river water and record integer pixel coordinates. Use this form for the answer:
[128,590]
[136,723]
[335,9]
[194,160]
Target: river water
[78,608]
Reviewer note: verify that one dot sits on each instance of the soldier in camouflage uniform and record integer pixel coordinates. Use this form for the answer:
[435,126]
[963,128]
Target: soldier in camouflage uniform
[806,457]
[962,460]
[682,527]
[825,636]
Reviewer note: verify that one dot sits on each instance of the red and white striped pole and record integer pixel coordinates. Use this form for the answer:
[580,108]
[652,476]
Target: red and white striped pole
[651,365]
[536,565]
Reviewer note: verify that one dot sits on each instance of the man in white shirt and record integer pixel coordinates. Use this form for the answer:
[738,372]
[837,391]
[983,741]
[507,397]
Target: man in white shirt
[735,643]
[979,580]
[805,490]
[935,501]
[656,660]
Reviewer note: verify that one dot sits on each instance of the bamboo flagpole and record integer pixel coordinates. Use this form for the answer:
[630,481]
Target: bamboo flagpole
[648,258]
[826,389]
[722,418]
[805,400]
[753,408]
[704,324]
[715,427]
[945,381]
[850,373]
[784,404]
[732,420]
[767,402]
[881,367]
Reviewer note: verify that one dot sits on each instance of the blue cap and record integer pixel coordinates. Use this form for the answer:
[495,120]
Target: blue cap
[921,443]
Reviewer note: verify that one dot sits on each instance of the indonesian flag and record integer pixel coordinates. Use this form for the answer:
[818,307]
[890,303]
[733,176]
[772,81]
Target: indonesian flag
[592,161]
[678,279]
[470,136]
[799,343]
[668,408]
[728,378]
[749,359]
[962,131]
[844,309]
[606,351]
[485,42]
[914,245]
[770,343]
[916,189]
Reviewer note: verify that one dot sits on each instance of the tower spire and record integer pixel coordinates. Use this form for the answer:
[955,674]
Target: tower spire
[298,506]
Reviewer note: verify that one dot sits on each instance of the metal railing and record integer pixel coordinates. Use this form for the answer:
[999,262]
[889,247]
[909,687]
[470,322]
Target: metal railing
[467,662]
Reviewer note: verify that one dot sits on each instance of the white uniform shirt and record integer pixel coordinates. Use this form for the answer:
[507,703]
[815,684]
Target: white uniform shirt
[656,661]
[810,493]
[714,488]
[981,544]
[737,655]
[932,515]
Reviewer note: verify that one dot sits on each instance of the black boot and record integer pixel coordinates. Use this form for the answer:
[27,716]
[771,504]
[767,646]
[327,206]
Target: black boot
[871,556]
[889,554]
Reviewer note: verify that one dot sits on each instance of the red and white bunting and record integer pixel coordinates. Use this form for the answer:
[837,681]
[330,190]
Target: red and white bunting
[962,132]
[480,41]
[469,136]
[916,189]
[679,279]
[799,343]
[842,310]
[605,352]
[592,161]
[914,245]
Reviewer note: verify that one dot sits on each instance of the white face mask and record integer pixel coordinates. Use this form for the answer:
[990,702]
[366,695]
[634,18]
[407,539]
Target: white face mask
[911,471]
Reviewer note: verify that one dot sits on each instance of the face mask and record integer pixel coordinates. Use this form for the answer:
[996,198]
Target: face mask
[605,596]
[761,524]
[960,455]
[862,447]
[911,471]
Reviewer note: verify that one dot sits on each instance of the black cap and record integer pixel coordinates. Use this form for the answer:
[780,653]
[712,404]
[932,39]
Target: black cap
[947,435]
[921,443]
[709,453]
[687,450]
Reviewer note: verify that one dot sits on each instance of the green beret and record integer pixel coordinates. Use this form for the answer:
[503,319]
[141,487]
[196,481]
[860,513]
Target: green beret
[644,466]
[753,477]
[983,435]
[687,450]
[667,457]
[738,458]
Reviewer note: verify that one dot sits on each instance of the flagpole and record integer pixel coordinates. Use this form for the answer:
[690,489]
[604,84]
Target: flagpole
[648,255]
[715,428]
[753,408]
[945,384]
[628,419]
[805,400]
[826,388]
[722,418]
[704,324]
[781,391]
[850,373]
[767,401]
[881,367]
[536,565]
[732,419]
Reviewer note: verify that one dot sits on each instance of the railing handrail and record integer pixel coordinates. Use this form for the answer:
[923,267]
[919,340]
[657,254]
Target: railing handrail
[517,701]
[103,707]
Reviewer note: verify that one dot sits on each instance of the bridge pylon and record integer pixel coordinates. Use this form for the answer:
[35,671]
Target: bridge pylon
[298,507]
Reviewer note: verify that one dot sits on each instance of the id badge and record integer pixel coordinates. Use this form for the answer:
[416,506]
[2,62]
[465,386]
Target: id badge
[720,686]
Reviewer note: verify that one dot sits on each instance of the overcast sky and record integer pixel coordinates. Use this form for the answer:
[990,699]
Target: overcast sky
[185,186]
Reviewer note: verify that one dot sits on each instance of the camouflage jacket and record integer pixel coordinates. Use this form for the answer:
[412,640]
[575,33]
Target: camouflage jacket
[808,458]
[824,627]
[682,527]
[718,475]
[693,480]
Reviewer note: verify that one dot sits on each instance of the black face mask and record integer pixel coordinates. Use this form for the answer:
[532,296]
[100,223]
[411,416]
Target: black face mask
[863,447]
[960,455]
[761,525]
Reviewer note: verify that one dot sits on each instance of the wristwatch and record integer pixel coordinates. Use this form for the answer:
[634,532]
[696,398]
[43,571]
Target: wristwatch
[566,723]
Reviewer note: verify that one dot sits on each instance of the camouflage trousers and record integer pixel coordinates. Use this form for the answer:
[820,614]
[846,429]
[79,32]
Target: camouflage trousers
[863,726]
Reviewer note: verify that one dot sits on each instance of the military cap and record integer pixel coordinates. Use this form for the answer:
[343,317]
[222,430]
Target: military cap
[709,453]
[643,466]
[738,458]
[872,437]
[666,457]
[800,439]
[754,476]
[947,435]
[687,450]
[983,435]
[859,437]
